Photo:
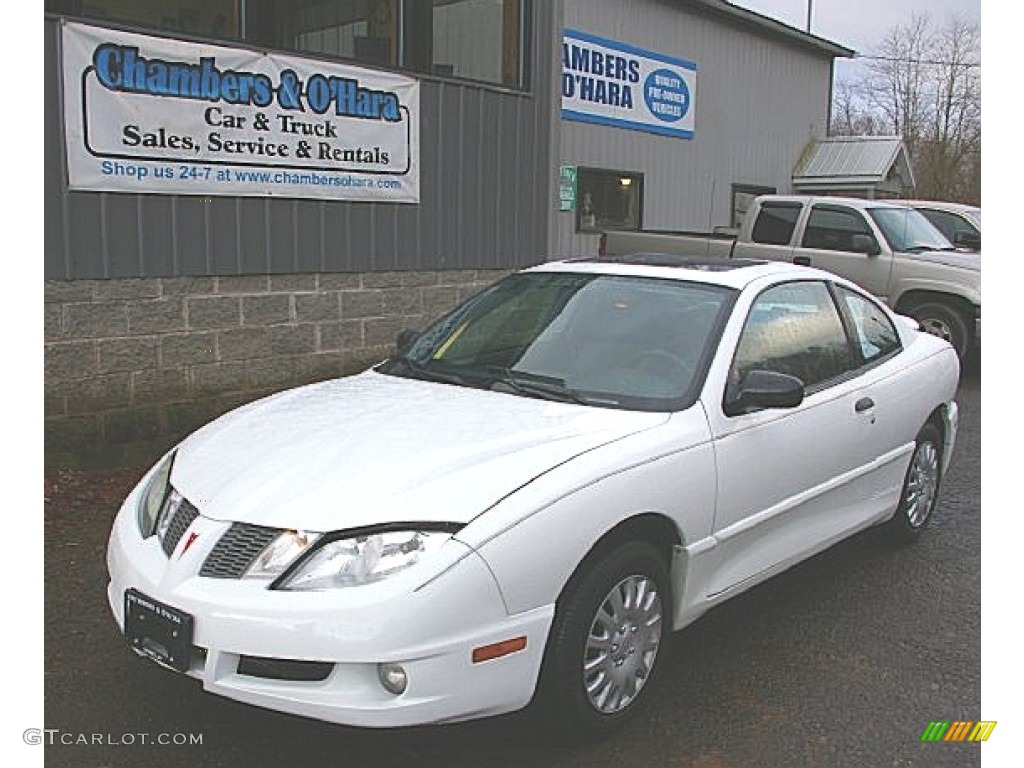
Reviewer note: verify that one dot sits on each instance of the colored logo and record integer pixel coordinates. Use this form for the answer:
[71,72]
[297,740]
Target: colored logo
[188,543]
[666,95]
[959,730]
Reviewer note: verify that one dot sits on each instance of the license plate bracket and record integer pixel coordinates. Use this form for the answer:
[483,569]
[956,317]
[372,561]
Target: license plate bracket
[157,630]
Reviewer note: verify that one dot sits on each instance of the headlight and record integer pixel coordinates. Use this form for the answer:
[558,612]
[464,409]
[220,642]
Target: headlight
[364,559]
[284,550]
[154,497]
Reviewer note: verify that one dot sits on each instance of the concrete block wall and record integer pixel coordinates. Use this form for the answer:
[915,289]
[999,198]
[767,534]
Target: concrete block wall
[133,365]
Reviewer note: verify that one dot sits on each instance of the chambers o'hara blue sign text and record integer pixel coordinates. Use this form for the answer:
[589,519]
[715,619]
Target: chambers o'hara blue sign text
[612,83]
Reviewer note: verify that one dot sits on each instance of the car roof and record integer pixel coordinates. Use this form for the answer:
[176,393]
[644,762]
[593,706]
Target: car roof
[942,205]
[853,202]
[733,273]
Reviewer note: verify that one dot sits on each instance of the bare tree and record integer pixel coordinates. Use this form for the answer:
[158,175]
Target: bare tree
[923,84]
[850,116]
[897,75]
[951,147]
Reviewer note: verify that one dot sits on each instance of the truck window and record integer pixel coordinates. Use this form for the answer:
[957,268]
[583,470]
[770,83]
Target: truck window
[949,224]
[907,230]
[775,223]
[830,228]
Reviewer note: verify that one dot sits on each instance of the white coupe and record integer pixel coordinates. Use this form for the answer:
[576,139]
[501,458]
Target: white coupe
[526,499]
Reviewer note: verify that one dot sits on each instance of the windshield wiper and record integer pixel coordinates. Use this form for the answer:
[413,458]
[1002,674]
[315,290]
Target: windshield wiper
[544,387]
[929,248]
[421,371]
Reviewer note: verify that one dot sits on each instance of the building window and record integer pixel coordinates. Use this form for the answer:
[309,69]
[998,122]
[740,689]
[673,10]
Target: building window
[743,198]
[465,34]
[203,18]
[364,30]
[608,200]
[478,40]
[467,39]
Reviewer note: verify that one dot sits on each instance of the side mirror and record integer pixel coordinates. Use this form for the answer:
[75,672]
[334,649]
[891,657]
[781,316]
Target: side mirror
[969,240]
[765,389]
[404,340]
[865,244]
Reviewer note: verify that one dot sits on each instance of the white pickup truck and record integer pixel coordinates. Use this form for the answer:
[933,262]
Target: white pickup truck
[889,249]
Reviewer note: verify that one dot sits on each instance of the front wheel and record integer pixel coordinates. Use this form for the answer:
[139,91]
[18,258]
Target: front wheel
[920,486]
[944,321]
[606,641]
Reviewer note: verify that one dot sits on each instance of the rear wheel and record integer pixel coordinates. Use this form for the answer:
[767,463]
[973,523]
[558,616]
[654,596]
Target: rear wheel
[920,486]
[606,641]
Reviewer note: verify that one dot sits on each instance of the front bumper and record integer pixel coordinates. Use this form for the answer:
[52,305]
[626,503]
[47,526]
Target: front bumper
[429,628]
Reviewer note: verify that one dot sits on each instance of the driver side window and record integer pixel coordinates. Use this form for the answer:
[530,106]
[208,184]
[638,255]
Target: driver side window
[794,329]
[830,228]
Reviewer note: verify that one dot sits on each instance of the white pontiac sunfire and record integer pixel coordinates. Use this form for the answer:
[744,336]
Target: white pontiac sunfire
[524,501]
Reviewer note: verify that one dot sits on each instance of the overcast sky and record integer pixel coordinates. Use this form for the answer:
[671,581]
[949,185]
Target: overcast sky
[859,24]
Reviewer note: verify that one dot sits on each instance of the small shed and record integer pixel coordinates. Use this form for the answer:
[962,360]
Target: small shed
[872,167]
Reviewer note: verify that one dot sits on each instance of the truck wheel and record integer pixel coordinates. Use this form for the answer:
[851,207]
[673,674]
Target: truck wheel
[944,321]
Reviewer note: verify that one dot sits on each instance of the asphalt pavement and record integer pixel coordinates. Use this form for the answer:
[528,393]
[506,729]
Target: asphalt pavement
[841,661]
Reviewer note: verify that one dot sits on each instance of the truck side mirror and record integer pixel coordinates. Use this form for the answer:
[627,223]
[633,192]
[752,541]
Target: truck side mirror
[969,240]
[864,244]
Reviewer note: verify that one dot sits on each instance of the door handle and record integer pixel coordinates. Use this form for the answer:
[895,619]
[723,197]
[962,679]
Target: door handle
[864,404]
[802,261]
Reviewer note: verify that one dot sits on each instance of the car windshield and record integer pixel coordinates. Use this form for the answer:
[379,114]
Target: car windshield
[606,340]
[908,230]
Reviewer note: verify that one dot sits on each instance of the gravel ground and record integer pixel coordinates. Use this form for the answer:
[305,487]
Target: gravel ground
[840,661]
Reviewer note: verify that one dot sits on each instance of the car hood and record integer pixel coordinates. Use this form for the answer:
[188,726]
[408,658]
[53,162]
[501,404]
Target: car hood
[374,449]
[963,259]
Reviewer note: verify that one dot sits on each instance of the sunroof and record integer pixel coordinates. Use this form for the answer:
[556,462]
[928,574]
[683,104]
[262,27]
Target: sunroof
[702,263]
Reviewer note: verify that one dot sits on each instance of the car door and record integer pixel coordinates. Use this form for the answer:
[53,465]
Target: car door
[838,238]
[792,481]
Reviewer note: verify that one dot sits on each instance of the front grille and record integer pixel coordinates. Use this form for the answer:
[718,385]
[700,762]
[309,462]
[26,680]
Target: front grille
[284,669]
[236,550]
[181,519]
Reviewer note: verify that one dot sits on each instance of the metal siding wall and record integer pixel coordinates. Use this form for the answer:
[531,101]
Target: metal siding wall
[485,160]
[54,195]
[759,101]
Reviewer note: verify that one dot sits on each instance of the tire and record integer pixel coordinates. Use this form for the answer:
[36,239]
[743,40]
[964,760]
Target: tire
[942,320]
[607,642]
[920,487]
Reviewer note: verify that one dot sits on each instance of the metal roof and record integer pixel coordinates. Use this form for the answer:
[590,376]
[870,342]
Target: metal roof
[851,160]
[774,27]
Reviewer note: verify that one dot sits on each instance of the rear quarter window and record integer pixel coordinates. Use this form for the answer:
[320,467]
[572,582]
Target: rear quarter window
[775,223]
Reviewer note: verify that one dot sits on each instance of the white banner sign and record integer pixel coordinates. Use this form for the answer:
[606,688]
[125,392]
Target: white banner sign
[154,115]
[612,83]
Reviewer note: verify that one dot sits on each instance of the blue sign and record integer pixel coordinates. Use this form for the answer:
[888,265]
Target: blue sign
[612,83]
